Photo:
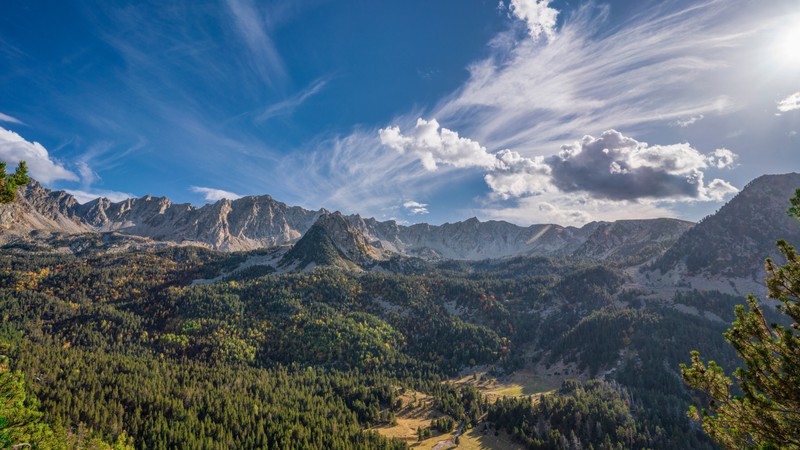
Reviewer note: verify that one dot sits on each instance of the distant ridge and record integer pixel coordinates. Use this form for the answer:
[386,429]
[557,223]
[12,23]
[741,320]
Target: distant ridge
[262,222]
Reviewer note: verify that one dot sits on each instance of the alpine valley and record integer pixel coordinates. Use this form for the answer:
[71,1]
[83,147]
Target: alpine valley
[254,324]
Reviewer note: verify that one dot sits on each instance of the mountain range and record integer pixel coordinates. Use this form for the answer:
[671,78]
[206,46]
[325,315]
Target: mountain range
[262,222]
[733,241]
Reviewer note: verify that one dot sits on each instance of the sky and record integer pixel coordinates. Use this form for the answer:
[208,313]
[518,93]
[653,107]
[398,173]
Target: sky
[529,111]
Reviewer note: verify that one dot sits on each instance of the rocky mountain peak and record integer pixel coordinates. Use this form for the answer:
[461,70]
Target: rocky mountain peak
[332,240]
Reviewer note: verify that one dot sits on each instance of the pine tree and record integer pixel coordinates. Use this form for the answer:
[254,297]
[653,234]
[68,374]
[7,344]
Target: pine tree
[10,183]
[767,414]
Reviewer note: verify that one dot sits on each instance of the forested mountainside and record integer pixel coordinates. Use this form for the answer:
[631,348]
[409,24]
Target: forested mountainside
[117,340]
[724,243]
[114,342]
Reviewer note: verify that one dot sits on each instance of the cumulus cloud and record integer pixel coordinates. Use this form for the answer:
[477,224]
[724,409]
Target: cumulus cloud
[717,190]
[10,119]
[516,175]
[612,166]
[416,207]
[433,145]
[722,158]
[84,196]
[790,103]
[683,123]
[14,148]
[537,14]
[213,195]
[618,167]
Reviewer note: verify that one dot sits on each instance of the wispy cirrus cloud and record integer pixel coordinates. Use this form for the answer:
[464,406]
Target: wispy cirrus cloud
[177,69]
[357,174]
[289,105]
[213,195]
[10,119]
[661,67]
[655,68]
[683,123]
[250,24]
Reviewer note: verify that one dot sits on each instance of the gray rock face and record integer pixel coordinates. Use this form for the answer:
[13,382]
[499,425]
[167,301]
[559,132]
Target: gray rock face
[244,224]
[37,208]
[260,222]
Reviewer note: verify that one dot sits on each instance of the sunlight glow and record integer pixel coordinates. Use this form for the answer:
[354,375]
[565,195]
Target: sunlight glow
[787,46]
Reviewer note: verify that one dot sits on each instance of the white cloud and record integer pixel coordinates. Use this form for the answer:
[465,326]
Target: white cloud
[83,196]
[537,14]
[416,208]
[10,119]
[661,66]
[250,25]
[612,166]
[433,145]
[213,195]
[617,167]
[790,103]
[517,176]
[356,174]
[718,189]
[88,176]
[667,64]
[722,158]
[683,123]
[290,104]
[14,148]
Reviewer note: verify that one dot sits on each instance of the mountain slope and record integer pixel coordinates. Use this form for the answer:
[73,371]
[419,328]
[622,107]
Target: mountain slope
[331,241]
[37,208]
[632,241]
[735,241]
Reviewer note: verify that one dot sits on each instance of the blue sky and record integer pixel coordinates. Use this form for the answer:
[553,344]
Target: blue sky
[433,110]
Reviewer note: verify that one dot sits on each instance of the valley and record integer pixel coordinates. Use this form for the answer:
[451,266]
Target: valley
[334,339]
